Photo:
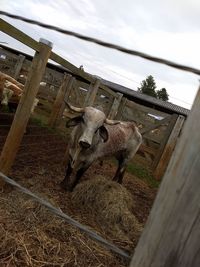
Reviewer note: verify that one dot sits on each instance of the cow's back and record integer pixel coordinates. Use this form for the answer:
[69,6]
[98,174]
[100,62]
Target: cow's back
[122,137]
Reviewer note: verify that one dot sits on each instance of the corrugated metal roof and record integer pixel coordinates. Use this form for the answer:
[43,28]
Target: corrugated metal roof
[154,101]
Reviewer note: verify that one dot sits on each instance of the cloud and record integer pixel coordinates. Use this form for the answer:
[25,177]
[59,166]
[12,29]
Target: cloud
[167,29]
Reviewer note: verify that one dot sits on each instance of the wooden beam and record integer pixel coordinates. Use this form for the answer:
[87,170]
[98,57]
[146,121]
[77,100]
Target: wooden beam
[18,66]
[168,149]
[155,125]
[121,108]
[24,107]
[59,100]
[27,40]
[66,97]
[144,109]
[91,94]
[165,139]
[172,232]
[115,106]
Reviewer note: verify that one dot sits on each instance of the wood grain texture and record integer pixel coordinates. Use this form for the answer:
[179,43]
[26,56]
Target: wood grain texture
[59,100]
[172,233]
[24,108]
[171,141]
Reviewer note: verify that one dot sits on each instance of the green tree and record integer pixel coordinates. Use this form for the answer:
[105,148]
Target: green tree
[162,94]
[148,86]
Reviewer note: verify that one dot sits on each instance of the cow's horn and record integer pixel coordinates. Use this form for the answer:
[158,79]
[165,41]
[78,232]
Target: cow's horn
[74,108]
[111,122]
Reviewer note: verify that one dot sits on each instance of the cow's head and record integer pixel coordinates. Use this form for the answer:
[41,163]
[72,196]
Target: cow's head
[91,122]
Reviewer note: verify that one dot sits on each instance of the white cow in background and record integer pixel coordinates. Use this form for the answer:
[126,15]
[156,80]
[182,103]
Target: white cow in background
[10,88]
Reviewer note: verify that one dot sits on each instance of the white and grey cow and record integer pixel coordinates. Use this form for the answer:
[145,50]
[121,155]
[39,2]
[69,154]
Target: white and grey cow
[94,137]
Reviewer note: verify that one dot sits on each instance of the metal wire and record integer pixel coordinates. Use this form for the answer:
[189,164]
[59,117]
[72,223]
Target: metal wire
[105,44]
[66,217]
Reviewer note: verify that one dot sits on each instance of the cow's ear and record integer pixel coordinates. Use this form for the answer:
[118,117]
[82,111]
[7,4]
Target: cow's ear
[74,121]
[103,133]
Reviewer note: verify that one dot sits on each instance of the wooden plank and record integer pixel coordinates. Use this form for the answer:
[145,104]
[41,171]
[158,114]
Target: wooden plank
[150,150]
[156,125]
[24,108]
[131,116]
[19,35]
[144,109]
[172,232]
[169,147]
[108,90]
[115,106]
[59,99]
[91,94]
[168,132]
[155,139]
[66,98]
[18,66]
[27,40]
[121,108]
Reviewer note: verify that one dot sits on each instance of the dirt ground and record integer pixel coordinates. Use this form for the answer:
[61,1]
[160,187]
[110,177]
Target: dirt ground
[31,236]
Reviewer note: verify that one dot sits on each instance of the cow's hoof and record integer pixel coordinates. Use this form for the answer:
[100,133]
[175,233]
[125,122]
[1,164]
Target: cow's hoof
[64,186]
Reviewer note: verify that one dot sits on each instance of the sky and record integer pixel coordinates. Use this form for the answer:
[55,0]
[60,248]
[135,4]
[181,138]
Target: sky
[168,29]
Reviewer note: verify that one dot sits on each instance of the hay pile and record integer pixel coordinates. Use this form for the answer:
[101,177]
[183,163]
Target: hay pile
[31,236]
[111,205]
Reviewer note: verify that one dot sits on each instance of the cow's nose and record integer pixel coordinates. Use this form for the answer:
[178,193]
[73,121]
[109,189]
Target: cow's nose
[84,144]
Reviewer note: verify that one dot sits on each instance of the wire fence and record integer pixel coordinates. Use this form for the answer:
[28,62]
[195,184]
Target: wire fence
[67,218]
[105,44]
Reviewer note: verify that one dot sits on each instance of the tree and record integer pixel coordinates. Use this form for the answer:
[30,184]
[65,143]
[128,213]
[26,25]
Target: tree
[148,87]
[162,94]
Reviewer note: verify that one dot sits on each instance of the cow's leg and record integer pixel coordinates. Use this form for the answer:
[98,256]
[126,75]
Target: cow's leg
[65,182]
[122,163]
[79,174]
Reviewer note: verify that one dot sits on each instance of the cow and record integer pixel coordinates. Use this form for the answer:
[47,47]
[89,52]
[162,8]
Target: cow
[95,137]
[12,90]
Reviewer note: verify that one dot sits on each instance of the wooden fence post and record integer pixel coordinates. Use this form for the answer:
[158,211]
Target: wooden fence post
[121,108]
[115,106]
[18,66]
[92,91]
[24,107]
[169,147]
[59,100]
[172,121]
[66,97]
[172,232]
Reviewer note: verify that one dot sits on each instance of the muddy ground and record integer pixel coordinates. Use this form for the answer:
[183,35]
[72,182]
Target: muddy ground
[31,236]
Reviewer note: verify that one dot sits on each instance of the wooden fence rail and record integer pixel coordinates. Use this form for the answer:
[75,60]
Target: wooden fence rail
[85,90]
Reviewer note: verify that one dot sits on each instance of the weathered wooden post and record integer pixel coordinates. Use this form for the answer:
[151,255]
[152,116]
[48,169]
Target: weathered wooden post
[92,91]
[172,233]
[59,100]
[18,66]
[169,145]
[115,106]
[24,107]
[121,107]
[66,98]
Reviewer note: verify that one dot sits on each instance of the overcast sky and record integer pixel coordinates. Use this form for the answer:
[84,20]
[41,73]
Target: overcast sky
[169,29]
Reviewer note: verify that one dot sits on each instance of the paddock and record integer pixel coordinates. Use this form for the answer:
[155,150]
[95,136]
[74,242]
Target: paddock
[174,216]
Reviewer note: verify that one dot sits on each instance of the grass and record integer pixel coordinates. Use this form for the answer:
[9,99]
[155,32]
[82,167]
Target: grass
[144,174]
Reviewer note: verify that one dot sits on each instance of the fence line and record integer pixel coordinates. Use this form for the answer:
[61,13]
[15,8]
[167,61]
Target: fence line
[105,44]
[66,217]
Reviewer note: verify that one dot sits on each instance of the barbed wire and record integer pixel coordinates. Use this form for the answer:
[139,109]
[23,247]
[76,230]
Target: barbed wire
[105,44]
[66,217]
